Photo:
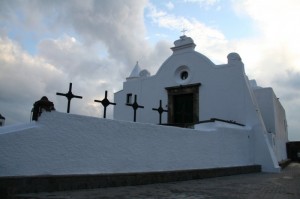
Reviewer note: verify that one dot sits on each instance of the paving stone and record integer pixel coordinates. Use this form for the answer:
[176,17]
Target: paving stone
[284,185]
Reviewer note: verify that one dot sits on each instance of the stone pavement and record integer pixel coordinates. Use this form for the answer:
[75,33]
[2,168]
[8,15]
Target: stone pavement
[285,185]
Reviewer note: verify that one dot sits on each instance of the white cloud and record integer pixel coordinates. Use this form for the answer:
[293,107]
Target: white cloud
[204,3]
[275,51]
[23,78]
[93,44]
[207,2]
[170,5]
[210,41]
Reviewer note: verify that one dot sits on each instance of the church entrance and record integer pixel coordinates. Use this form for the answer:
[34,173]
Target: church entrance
[183,105]
[183,108]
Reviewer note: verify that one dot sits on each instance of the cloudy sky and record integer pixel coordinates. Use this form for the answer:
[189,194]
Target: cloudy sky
[45,45]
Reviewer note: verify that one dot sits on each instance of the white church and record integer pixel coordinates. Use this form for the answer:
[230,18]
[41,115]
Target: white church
[212,116]
[193,89]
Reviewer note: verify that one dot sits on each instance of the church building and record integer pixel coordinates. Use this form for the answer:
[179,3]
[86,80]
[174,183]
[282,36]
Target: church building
[194,91]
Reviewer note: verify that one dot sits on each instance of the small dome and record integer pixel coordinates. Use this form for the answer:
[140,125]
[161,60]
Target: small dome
[184,42]
[144,73]
[233,57]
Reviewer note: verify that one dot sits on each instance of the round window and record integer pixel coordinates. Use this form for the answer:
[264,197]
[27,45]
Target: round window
[184,75]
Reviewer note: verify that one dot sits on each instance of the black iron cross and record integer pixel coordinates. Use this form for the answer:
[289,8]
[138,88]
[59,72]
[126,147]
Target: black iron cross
[105,102]
[135,106]
[69,95]
[160,110]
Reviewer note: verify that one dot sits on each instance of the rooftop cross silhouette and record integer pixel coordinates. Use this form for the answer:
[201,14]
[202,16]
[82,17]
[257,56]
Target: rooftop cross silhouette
[105,102]
[160,110]
[183,31]
[69,95]
[135,106]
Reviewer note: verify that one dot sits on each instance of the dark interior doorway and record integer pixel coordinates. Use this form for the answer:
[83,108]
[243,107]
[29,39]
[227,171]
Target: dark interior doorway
[183,108]
[183,105]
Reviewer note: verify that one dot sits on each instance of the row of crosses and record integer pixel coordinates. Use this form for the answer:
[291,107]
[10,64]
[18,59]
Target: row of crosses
[105,103]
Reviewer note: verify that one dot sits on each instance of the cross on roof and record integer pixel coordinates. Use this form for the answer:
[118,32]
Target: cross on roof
[160,110]
[135,106]
[183,31]
[69,95]
[105,102]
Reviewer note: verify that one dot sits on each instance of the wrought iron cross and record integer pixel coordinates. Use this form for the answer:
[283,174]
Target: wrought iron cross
[135,106]
[69,95]
[105,102]
[160,110]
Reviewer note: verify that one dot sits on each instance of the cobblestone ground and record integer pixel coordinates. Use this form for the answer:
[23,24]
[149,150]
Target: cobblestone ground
[257,186]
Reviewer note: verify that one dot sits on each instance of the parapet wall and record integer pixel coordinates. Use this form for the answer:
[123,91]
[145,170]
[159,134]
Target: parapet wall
[66,144]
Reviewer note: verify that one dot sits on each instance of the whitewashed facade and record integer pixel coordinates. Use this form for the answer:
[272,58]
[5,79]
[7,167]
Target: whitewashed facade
[212,91]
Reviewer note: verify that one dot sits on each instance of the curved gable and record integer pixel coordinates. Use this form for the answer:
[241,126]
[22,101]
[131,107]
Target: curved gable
[184,54]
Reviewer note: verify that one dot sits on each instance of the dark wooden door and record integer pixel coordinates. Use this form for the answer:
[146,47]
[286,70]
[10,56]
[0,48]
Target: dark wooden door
[183,108]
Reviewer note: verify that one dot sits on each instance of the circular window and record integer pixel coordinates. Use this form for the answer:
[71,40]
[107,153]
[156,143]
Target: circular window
[184,75]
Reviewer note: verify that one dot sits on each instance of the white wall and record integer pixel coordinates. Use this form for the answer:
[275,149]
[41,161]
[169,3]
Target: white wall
[62,143]
[274,118]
